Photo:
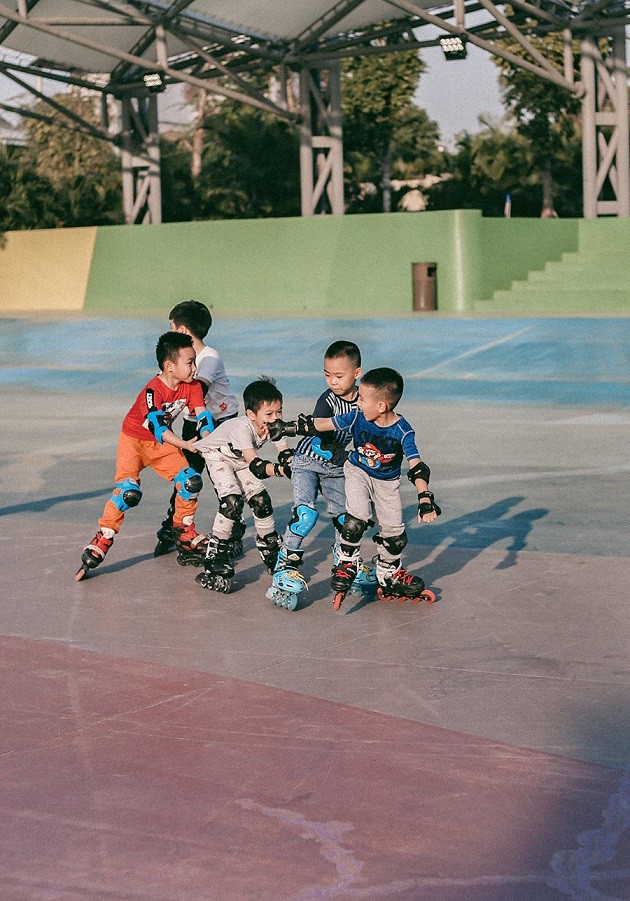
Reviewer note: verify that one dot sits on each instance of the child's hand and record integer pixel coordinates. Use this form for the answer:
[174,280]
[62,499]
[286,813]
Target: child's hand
[428,510]
[190,445]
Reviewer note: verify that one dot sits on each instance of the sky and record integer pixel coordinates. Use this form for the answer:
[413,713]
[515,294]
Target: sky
[456,93]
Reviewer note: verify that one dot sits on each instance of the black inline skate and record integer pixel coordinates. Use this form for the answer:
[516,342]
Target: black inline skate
[268,548]
[166,542]
[236,539]
[396,584]
[218,569]
[344,572]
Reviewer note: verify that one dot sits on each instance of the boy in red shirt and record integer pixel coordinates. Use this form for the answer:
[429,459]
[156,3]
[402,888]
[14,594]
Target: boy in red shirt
[147,439]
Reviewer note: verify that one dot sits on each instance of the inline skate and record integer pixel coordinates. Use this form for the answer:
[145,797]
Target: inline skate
[218,569]
[396,584]
[236,539]
[94,553]
[344,572]
[268,547]
[191,546]
[288,581]
[364,583]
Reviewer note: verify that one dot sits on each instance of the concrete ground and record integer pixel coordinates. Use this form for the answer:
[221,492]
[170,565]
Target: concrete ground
[161,741]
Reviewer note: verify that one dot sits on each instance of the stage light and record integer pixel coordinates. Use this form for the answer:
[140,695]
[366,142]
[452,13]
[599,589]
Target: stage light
[153,81]
[453,47]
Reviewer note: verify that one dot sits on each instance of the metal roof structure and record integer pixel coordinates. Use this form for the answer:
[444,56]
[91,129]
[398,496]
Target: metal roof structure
[132,49]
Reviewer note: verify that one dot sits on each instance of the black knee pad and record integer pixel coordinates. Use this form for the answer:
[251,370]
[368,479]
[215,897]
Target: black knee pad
[261,505]
[394,544]
[231,506]
[353,529]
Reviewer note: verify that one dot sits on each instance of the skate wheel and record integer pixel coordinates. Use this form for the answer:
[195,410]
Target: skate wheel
[338,600]
[291,602]
[82,573]
[428,596]
[382,596]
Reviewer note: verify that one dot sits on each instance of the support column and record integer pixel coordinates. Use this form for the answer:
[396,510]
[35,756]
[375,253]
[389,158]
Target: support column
[321,141]
[605,129]
[142,196]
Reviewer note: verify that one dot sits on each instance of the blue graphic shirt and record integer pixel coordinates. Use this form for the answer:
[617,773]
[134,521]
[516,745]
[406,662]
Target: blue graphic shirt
[378,450]
[329,446]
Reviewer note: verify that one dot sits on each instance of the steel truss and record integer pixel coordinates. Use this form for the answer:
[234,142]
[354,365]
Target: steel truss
[218,57]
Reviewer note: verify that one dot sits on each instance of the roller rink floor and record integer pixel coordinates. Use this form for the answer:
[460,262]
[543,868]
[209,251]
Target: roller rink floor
[161,741]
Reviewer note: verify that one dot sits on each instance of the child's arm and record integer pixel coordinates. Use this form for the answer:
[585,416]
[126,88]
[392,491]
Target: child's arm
[264,469]
[205,422]
[164,435]
[303,425]
[418,475]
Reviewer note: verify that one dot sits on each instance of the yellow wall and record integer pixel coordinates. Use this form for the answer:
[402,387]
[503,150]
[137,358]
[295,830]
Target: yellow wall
[45,269]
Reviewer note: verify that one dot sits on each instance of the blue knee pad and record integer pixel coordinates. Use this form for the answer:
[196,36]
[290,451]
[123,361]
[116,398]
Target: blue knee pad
[188,483]
[303,520]
[129,495]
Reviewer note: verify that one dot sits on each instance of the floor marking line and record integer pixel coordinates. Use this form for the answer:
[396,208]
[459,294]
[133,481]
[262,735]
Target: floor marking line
[472,352]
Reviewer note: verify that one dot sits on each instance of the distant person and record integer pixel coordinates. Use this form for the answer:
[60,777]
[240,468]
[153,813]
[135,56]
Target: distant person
[147,440]
[193,318]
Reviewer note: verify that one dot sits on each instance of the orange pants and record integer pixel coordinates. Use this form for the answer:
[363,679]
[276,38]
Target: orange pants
[132,456]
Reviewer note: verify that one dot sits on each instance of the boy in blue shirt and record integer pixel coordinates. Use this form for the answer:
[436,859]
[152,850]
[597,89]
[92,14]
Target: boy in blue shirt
[372,472]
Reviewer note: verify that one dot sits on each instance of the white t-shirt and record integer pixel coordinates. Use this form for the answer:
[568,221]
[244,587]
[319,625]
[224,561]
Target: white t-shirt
[231,438]
[219,398]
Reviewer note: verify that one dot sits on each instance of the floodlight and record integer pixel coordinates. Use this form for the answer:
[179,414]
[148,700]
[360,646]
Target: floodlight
[153,81]
[453,47]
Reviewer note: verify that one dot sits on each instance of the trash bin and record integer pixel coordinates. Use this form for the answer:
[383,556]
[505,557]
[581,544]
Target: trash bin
[424,285]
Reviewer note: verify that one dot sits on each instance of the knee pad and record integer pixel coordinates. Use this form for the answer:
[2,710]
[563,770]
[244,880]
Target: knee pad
[303,520]
[261,505]
[129,495]
[188,483]
[353,529]
[231,506]
[394,544]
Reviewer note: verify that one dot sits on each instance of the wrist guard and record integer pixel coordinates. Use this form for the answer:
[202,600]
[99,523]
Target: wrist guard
[426,504]
[258,467]
[205,424]
[419,470]
[280,429]
[305,425]
[285,458]
[157,424]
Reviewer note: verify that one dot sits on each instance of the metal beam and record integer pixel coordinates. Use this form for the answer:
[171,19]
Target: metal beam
[321,142]
[142,198]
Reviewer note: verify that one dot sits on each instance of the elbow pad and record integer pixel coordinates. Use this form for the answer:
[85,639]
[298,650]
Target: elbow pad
[205,424]
[157,424]
[258,467]
[419,470]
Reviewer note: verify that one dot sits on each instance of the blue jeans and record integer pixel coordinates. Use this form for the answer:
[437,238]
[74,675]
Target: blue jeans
[310,478]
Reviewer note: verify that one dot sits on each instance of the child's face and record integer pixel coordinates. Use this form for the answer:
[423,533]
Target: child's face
[341,376]
[269,411]
[370,404]
[183,369]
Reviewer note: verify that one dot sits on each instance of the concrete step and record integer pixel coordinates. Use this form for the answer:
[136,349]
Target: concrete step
[579,278]
[528,297]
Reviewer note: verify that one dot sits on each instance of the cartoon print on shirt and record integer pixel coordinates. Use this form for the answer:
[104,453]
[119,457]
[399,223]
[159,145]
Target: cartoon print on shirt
[371,456]
[171,410]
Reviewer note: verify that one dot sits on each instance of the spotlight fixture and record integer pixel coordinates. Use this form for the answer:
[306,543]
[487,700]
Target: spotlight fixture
[453,47]
[154,82]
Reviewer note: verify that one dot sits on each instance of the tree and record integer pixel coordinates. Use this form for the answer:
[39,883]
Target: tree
[548,116]
[485,167]
[384,133]
[83,170]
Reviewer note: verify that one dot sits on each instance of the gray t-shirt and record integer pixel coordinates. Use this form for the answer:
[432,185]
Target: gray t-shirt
[219,398]
[231,438]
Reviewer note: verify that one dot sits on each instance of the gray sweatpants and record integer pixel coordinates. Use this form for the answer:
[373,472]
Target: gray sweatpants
[379,499]
[234,477]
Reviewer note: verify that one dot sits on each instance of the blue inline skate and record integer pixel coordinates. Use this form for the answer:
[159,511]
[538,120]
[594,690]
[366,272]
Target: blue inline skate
[288,581]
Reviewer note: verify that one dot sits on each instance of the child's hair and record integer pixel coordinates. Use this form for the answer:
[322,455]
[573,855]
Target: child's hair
[169,345]
[258,393]
[344,349]
[195,316]
[387,382]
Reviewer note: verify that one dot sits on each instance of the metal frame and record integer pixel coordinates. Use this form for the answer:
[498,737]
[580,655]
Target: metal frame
[142,193]
[218,55]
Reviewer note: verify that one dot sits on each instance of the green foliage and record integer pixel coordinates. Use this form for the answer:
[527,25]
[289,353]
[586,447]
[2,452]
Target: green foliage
[82,171]
[385,134]
[484,168]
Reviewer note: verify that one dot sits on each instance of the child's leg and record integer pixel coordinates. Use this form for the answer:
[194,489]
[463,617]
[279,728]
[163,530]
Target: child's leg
[355,522]
[127,493]
[170,463]
[305,480]
[392,539]
[268,541]
[165,534]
